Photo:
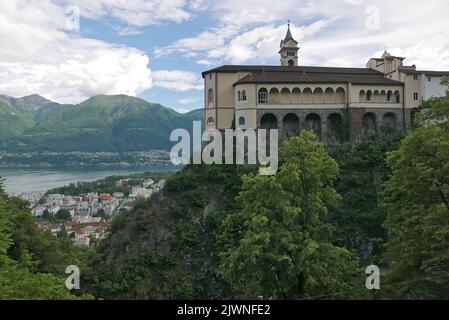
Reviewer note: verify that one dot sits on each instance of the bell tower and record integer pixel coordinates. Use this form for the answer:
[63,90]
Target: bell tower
[289,49]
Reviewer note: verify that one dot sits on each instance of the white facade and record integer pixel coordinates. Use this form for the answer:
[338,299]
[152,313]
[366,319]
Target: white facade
[431,86]
[140,192]
[38,211]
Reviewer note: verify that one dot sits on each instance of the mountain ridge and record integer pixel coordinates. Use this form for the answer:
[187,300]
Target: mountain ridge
[118,123]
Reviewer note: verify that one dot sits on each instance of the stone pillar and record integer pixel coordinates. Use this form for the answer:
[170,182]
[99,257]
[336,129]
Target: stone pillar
[323,128]
[356,117]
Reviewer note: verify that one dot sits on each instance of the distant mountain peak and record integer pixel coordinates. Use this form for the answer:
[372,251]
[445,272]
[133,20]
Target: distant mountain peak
[35,99]
[103,123]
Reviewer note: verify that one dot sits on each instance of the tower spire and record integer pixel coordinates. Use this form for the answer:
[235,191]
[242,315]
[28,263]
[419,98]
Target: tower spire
[288,35]
[289,49]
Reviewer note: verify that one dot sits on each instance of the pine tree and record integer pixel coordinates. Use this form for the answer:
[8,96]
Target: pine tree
[417,201]
[278,246]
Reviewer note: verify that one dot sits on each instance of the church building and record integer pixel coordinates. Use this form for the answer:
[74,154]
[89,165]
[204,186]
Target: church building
[382,97]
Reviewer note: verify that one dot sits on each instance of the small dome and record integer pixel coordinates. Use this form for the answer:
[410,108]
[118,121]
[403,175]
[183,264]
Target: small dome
[386,55]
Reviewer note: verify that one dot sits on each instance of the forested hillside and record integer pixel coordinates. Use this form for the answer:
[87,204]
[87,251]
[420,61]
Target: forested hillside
[33,262]
[307,232]
[12,121]
[102,123]
[224,232]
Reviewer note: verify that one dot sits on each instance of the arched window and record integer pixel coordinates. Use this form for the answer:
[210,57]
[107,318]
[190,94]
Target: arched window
[340,95]
[210,98]
[362,96]
[243,95]
[369,95]
[210,121]
[263,95]
[242,121]
[274,96]
[397,96]
[389,94]
[383,96]
[376,96]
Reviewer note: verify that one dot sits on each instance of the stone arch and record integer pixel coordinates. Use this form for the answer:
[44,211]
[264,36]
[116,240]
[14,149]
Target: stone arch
[274,96]
[296,95]
[369,96]
[313,123]
[389,122]
[269,121]
[290,125]
[335,129]
[376,96]
[307,95]
[210,121]
[383,96]
[362,96]
[318,96]
[369,124]
[397,97]
[340,95]
[285,97]
[329,96]
[389,96]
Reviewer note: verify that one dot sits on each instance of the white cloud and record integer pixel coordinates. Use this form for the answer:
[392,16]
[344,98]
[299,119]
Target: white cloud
[189,100]
[205,62]
[140,13]
[38,56]
[340,33]
[181,110]
[177,80]
[127,31]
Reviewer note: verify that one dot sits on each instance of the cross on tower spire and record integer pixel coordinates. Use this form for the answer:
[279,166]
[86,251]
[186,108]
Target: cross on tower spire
[289,49]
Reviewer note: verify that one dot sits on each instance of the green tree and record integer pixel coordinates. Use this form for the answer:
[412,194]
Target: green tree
[101,214]
[32,262]
[63,215]
[46,215]
[417,201]
[358,220]
[278,244]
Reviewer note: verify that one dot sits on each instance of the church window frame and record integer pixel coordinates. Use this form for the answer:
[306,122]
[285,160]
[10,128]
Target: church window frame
[210,98]
[243,95]
[262,96]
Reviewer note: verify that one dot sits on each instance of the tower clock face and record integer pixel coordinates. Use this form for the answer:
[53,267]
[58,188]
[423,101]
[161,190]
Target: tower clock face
[291,62]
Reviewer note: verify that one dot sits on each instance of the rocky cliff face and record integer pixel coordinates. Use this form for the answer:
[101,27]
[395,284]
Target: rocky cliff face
[166,248]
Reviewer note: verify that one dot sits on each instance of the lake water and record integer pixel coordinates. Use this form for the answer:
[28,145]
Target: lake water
[41,180]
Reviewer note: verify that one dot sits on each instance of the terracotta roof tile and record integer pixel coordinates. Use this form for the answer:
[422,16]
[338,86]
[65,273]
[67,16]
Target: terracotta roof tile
[312,77]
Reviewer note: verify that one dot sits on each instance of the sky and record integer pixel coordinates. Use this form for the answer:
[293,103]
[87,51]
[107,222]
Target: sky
[68,51]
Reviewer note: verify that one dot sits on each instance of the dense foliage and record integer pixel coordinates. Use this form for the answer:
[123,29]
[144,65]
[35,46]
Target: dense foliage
[358,219]
[33,262]
[167,247]
[217,232]
[278,245]
[417,201]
